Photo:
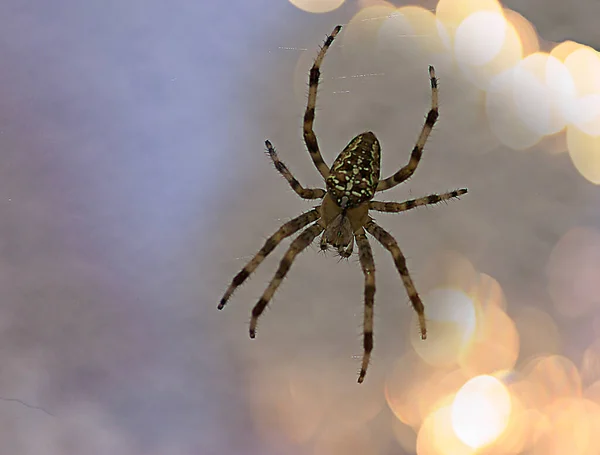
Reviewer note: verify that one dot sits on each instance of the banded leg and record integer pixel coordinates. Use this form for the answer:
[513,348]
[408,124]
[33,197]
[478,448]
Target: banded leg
[284,231]
[304,193]
[297,246]
[408,170]
[390,244]
[395,207]
[368,267]
[309,116]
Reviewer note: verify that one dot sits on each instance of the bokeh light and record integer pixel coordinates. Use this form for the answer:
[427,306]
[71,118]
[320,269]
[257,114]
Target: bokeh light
[584,151]
[452,13]
[480,411]
[526,31]
[573,427]
[553,377]
[479,38]
[437,436]
[494,345]
[542,92]
[450,324]
[317,6]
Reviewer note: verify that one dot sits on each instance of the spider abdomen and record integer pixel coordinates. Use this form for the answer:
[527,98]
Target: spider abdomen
[354,175]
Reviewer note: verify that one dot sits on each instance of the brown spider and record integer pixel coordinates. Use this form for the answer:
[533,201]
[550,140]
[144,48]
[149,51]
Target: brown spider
[343,214]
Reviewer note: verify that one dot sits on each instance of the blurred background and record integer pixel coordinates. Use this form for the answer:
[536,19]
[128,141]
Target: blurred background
[133,187]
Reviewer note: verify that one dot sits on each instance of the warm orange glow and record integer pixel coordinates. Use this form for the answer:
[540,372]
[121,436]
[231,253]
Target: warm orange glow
[543,93]
[526,31]
[584,151]
[590,363]
[480,411]
[479,38]
[317,6]
[584,65]
[574,428]
[488,292]
[494,345]
[552,377]
[437,437]
[451,323]
[501,110]
[439,390]
[564,49]
[452,12]
[486,45]
[404,384]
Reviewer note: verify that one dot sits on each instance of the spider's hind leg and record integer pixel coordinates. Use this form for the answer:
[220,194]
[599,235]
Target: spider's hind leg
[368,267]
[284,231]
[298,245]
[390,244]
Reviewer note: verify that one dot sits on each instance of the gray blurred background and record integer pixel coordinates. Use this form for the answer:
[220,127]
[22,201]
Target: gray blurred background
[133,186]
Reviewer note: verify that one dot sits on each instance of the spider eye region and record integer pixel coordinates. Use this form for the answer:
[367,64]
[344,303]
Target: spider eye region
[354,174]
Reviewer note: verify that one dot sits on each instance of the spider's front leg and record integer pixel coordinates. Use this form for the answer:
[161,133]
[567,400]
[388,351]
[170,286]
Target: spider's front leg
[407,171]
[309,115]
[304,193]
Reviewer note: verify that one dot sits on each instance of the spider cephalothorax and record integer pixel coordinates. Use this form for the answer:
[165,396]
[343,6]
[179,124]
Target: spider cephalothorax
[352,181]
[343,215]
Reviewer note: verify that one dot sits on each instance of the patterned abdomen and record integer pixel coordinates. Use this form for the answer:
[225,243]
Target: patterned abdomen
[354,175]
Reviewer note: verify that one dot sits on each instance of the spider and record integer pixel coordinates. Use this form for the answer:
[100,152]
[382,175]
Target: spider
[343,215]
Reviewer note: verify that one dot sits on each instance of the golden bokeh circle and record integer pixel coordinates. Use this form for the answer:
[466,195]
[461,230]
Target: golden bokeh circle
[317,6]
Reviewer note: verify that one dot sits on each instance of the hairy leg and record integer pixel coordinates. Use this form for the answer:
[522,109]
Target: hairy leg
[309,116]
[389,243]
[284,231]
[368,267]
[304,193]
[395,207]
[408,170]
[297,246]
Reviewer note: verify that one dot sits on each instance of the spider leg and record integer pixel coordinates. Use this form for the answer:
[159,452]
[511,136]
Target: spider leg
[309,116]
[304,193]
[408,170]
[390,244]
[395,207]
[368,267]
[271,243]
[298,245]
